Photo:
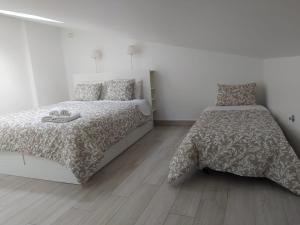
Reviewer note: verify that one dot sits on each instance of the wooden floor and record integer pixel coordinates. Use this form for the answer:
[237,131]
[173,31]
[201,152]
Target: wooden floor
[132,190]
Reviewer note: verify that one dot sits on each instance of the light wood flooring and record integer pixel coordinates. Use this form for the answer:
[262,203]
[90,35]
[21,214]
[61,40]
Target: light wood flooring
[132,190]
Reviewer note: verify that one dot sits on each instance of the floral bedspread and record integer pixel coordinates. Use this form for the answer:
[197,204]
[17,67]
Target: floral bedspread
[79,144]
[245,142]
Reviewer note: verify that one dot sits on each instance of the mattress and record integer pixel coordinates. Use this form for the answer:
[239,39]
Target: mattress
[80,144]
[243,140]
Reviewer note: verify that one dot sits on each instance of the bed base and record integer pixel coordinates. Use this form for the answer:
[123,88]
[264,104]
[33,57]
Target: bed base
[33,167]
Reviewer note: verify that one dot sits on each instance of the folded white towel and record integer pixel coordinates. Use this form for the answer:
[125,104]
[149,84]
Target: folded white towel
[54,112]
[59,112]
[64,112]
[60,119]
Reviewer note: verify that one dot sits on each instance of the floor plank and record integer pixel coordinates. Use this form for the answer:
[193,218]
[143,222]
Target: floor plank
[72,217]
[155,160]
[39,190]
[272,210]
[292,208]
[241,203]
[189,197]
[46,207]
[159,207]
[107,208]
[174,219]
[134,206]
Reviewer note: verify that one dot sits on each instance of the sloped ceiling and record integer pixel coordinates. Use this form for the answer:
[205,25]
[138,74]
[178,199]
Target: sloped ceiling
[257,28]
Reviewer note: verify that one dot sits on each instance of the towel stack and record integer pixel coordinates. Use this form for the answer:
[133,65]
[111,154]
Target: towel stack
[57,112]
[60,116]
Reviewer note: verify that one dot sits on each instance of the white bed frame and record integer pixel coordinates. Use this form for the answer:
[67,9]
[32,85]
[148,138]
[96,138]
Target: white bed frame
[16,164]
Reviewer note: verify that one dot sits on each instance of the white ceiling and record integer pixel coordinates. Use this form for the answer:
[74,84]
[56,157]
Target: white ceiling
[259,28]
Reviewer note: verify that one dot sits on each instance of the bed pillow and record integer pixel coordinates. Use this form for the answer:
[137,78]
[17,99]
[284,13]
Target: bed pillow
[87,92]
[242,94]
[118,90]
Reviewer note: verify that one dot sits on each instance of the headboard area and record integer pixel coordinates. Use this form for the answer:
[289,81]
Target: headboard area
[141,75]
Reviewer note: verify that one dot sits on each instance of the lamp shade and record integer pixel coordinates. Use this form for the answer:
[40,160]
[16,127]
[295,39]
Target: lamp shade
[131,50]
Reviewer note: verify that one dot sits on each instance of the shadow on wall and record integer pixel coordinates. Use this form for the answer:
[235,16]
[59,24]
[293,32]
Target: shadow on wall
[261,94]
[293,140]
[156,81]
[289,129]
[290,133]
[292,136]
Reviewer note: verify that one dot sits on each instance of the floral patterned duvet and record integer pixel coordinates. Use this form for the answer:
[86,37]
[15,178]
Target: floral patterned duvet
[79,144]
[244,140]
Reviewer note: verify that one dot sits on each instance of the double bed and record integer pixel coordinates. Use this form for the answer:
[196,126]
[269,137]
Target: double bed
[71,152]
[244,140]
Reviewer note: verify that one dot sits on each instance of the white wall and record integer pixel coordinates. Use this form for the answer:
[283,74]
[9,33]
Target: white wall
[186,78]
[32,71]
[48,67]
[15,89]
[281,77]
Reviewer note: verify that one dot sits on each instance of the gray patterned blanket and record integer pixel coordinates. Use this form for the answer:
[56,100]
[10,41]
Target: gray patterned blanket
[245,142]
[79,144]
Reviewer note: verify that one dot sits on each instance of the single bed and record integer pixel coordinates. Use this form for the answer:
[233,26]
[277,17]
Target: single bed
[72,152]
[243,140]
